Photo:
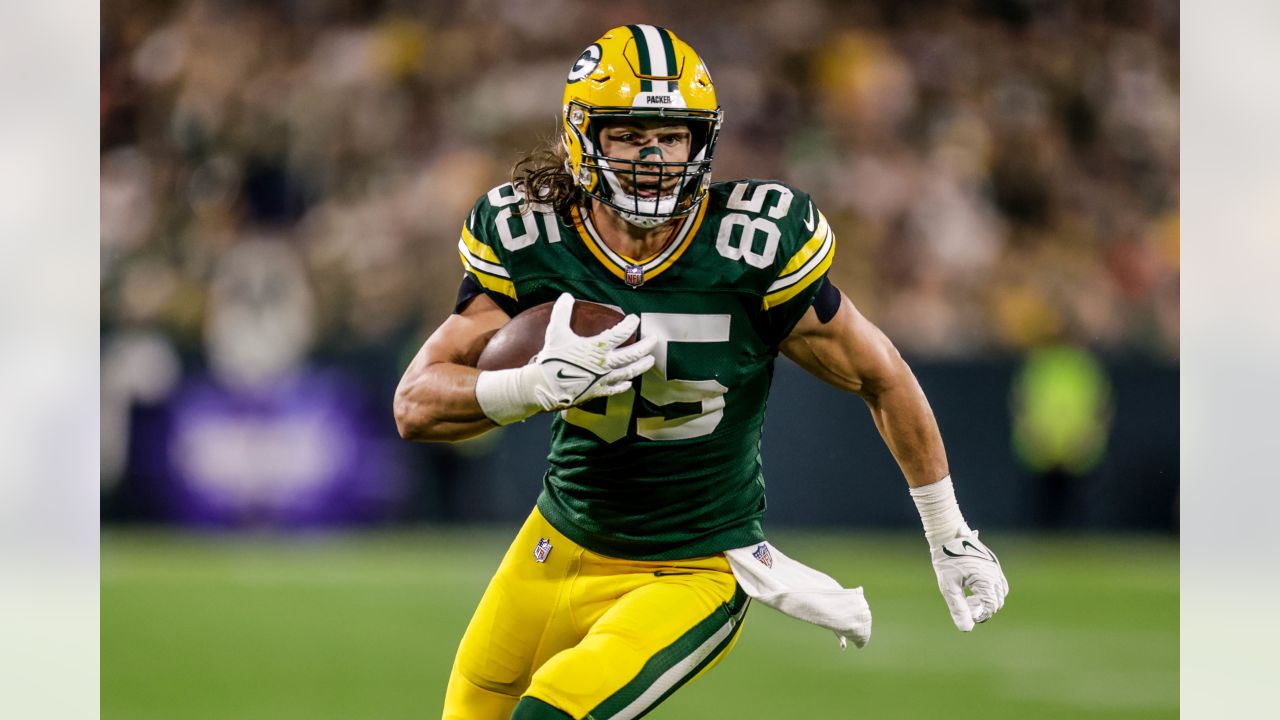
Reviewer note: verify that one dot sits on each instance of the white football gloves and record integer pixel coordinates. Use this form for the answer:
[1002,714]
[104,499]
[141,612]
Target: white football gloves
[568,371]
[965,563]
[961,561]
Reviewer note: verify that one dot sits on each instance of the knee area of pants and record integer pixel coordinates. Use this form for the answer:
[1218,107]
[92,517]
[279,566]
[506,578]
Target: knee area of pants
[531,708]
[588,670]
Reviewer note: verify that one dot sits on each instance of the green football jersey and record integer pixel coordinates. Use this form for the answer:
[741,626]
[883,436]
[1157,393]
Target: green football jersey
[671,468]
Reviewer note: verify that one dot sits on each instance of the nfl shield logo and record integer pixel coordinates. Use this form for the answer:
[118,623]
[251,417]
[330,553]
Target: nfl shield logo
[635,276]
[762,554]
[542,550]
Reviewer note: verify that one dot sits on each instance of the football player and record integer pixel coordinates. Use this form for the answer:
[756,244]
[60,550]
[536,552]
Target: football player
[633,573]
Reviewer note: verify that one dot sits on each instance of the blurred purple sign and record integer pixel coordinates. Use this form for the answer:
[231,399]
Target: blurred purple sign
[300,452]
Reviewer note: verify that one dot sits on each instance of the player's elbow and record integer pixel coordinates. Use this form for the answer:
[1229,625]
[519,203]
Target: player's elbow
[886,372]
[417,427]
[415,419]
[409,423]
[421,422]
[444,432]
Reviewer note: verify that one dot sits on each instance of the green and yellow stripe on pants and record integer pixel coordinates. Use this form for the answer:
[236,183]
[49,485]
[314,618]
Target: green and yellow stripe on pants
[593,636]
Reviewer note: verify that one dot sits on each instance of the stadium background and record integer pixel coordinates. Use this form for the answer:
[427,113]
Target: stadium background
[281,189]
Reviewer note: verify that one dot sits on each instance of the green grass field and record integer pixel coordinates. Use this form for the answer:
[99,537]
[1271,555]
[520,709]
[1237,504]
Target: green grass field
[363,627]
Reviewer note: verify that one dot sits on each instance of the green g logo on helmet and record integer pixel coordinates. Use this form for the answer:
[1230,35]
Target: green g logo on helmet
[588,61]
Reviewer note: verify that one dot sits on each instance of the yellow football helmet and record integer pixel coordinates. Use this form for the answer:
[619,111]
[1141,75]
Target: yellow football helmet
[640,71]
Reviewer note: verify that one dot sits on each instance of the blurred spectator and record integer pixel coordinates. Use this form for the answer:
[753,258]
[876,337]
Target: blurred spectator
[964,149]
[1061,402]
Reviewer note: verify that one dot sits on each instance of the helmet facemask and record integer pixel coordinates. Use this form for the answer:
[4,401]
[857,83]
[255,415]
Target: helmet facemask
[678,186]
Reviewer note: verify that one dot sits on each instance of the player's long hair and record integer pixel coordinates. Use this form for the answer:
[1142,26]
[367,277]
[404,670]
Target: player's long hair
[542,176]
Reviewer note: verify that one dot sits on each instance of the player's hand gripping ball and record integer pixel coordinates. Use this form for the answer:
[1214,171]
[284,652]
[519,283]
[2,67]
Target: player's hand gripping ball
[519,340]
[542,361]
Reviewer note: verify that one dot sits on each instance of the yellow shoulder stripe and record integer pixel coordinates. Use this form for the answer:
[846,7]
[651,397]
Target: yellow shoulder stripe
[490,282]
[477,248]
[777,298]
[811,246]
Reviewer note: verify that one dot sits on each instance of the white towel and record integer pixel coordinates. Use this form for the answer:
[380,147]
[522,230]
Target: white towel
[798,590]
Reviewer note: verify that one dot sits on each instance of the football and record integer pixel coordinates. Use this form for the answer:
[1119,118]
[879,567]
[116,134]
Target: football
[515,343]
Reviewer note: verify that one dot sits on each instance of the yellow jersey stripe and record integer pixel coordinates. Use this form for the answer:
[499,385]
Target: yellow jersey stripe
[653,266]
[817,271]
[580,225]
[684,243]
[490,282]
[481,265]
[808,249]
[479,249]
[824,251]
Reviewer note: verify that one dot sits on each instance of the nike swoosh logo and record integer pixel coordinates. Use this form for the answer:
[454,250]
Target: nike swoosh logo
[560,374]
[808,221]
[989,557]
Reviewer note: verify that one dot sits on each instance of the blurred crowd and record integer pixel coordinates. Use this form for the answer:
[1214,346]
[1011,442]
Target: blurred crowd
[282,183]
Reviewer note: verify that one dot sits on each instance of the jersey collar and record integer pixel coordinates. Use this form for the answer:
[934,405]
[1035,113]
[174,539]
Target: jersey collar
[619,264]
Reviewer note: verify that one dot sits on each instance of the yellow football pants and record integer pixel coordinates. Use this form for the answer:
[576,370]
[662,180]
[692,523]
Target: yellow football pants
[594,636]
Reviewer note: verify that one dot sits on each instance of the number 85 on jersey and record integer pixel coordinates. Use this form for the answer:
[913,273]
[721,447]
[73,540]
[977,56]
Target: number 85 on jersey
[704,397]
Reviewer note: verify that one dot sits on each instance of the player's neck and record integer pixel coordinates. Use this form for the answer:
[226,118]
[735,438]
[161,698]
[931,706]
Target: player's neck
[635,243]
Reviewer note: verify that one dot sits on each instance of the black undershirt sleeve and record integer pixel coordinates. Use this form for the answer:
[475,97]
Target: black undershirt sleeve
[466,293]
[827,302]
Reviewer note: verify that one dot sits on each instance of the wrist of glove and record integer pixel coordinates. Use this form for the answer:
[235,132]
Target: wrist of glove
[569,370]
[508,396]
[970,576]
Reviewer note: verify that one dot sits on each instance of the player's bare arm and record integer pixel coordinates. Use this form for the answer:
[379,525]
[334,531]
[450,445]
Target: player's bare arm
[436,398]
[851,353]
[443,397]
